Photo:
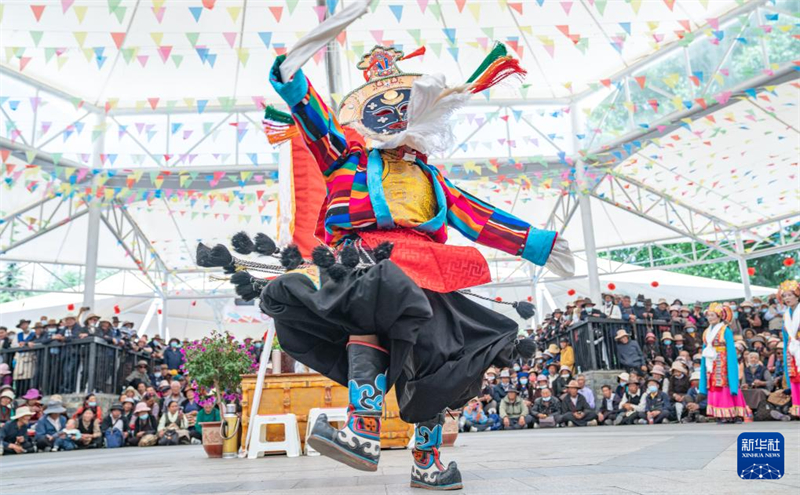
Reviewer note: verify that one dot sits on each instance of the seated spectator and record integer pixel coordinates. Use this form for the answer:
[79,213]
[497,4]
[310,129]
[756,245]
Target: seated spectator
[525,388]
[585,390]
[150,399]
[6,406]
[173,395]
[474,417]
[609,406]
[144,427]
[694,403]
[514,413]
[141,389]
[576,411]
[486,396]
[89,426]
[631,404]
[33,401]
[68,437]
[560,384]
[190,404]
[115,429]
[15,433]
[89,402]
[132,393]
[756,375]
[546,410]
[657,405]
[140,374]
[541,383]
[658,373]
[679,385]
[649,350]
[5,374]
[629,354]
[48,427]
[172,428]
[501,389]
[127,409]
[668,351]
[209,413]
[172,356]
[567,354]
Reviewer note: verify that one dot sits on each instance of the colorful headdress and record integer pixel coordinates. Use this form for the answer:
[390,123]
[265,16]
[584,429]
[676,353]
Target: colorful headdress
[789,286]
[724,312]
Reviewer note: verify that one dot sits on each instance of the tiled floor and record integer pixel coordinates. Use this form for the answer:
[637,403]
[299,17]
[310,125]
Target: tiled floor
[678,459]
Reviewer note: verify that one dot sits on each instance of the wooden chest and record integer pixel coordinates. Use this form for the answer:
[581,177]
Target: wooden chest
[298,393]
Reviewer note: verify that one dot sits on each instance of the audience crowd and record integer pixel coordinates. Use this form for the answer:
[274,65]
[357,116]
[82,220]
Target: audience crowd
[659,380]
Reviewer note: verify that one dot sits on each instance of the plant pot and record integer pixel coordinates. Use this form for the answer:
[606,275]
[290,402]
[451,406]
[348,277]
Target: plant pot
[212,440]
[450,429]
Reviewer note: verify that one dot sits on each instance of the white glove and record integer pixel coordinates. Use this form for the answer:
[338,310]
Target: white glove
[561,261]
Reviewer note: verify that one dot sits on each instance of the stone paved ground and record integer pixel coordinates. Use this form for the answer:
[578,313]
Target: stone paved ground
[676,459]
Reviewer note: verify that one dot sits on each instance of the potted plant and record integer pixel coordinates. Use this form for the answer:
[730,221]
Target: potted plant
[216,364]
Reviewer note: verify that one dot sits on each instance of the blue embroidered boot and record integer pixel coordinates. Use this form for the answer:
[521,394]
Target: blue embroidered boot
[428,472]
[358,444]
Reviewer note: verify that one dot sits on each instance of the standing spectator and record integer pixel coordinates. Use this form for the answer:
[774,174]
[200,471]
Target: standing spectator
[144,427]
[576,410]
[629,354]
[567,354]
[114,427]
[626,310]
[590,310]
[609,407]
[546,411]
[24,336]
[609,309]
[657,404]
[474,417]
[173,357]
[6,406]
[699,316]
[5,343]
[639,310]
[15,433]
[140,374]
[631,405]
[89,426]
[661,311]
[89,402]
[48,427]
[514,412]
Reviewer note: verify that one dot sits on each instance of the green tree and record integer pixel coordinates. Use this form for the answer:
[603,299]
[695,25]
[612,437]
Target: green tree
[12,277]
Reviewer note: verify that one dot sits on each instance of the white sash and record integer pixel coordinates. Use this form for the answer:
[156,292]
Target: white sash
[791,323]
[709,352]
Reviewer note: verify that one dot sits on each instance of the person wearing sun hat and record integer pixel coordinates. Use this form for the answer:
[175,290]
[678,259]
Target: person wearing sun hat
[629,354]
[15,433]
[789,294]
[144,427]
[6,406]
[719,369]
[53,421]
[577,411]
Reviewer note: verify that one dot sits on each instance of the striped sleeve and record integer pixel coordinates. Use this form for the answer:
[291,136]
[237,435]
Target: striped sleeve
[487,225]
[316,122]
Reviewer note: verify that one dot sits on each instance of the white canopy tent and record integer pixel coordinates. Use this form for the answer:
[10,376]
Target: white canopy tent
[131,129]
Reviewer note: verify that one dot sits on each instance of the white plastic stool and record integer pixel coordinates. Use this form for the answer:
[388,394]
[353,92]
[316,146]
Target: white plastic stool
[333,413]
[259,443]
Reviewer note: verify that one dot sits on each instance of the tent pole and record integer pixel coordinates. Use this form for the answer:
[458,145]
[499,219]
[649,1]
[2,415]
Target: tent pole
[584,201]
[95,210]
[748,292]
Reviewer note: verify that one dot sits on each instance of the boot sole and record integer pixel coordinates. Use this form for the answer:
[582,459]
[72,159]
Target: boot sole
[333,451]
[454,486]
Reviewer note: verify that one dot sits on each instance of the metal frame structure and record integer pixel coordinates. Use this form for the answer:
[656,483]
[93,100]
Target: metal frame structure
[708,233]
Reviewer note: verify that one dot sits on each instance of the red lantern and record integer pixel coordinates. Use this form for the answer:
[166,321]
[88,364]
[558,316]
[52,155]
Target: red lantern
[654,284]
[788,262]
[70,307]
[612,286]
[530,298]
[751,271]
[159,311]
[498,299]
[194,303]
[571,292]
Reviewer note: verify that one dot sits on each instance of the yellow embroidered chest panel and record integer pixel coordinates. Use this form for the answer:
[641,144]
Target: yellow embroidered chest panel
[408,191]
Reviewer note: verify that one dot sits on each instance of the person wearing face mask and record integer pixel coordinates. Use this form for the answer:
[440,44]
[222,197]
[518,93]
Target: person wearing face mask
[690,338]
[546,410]
[89,402]
[542,383]
[143,428]
[525,388]
[734,324]
[173,357]
[749,317]
[486,396]
[640,309]
[657,404]
[668,347]
[631,405]
[678,387]
[609,309]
